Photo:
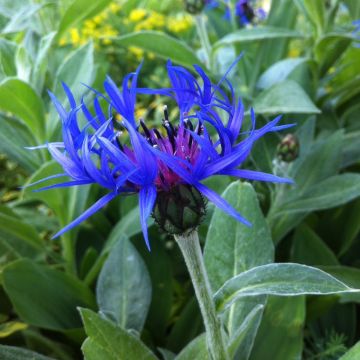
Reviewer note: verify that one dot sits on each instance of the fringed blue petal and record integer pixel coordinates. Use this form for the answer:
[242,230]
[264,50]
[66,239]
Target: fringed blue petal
[87,213]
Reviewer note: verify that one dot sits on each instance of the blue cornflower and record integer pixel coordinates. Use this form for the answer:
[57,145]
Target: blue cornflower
[166,168]
[246,11]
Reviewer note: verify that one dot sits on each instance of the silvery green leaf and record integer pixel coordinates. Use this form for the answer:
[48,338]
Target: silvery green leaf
[108,341]
[123,290]
[282,279]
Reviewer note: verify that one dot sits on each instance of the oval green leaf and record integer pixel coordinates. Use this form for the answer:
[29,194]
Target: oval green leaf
[19,98]
[283,279]
[123,290]
[162,45]
[284,98]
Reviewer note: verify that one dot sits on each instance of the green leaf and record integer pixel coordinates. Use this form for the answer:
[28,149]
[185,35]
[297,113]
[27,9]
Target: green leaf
[317,162]
[309,249]
[79,11]
[40,66]
[162,45]
[22,18]
[188,325]
[74,197]
[283,279]
[232,248]
[348,275]
[332,192]
[330,48]
[280,335]
[257,33]
[20,99]
[17,353]
[351,149]
[242,341]
[76,69]
[353,353]
[351,227]
[316,12]
[354,8]
[7,62]
[45,297]
[18,238]
[284,97]
[14,137]
[23,63]
[123,290]
[110,342]
[279,72]
[195,350]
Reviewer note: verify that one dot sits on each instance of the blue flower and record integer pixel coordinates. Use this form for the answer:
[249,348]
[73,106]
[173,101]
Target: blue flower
[245,11]
[152,161]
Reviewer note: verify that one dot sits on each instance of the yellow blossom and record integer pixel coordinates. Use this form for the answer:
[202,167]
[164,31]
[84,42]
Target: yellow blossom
[140,112]
[178,25]
[89,24]
[62,41]
[137,15]
[74,36]
[137,52]
[114,7]
[293,53]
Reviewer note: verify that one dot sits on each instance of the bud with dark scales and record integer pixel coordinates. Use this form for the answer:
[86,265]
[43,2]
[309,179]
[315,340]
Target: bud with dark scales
[179,210]
[194,6]
[288,149]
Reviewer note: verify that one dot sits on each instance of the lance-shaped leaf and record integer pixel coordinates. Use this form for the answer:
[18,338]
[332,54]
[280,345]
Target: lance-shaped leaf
[284,279]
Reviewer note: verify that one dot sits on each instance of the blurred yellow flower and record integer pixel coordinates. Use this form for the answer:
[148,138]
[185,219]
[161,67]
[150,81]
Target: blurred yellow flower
[114,7]
[74,36]
[137,15]
[179,24]
[293,53]
[137,52]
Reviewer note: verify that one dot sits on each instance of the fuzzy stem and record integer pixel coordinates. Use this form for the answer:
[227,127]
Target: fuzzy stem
[190,248]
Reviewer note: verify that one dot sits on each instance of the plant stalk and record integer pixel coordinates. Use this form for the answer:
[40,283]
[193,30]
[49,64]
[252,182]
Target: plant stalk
[204,37]
[190,248]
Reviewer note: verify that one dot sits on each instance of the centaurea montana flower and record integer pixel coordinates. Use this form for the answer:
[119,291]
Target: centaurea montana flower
[157,164]
[245,11]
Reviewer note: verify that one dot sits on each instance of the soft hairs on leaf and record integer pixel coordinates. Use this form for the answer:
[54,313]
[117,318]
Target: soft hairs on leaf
[149,161]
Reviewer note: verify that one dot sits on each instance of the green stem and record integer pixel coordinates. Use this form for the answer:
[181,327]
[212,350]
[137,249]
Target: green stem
[190,248]
[68,251]
[204,38]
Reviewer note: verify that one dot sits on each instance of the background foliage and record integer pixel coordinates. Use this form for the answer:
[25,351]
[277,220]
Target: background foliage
[98,292]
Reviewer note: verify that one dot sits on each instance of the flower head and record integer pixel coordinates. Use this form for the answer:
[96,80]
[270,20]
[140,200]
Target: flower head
[246,11]
[166,166]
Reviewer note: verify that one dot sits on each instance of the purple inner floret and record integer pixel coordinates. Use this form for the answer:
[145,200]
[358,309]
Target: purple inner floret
[138,159]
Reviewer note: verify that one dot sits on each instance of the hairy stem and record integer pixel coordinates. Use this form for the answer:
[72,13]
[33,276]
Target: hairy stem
[190,248]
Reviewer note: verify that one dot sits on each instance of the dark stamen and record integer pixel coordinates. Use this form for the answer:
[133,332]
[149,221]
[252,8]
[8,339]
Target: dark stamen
[166,114]
[147,132]
[157,134]
[171,132]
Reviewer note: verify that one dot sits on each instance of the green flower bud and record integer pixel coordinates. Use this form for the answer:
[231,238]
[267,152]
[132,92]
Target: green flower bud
[194,6]
[179,210]
[288,149]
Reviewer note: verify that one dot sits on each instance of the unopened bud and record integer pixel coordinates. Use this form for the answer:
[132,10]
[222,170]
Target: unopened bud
[194,6]
[288,149]
[179,210]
